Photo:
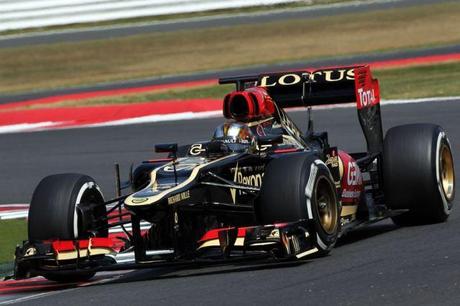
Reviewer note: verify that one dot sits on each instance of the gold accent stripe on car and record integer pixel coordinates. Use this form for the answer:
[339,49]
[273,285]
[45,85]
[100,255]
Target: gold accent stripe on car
[348,210]
[83,253]
[215,243]
[129,200]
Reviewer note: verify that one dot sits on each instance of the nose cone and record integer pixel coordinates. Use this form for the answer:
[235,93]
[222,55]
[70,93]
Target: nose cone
[166,181]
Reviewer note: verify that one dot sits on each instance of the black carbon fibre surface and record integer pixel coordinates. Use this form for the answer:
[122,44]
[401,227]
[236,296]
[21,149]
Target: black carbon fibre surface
[382,265]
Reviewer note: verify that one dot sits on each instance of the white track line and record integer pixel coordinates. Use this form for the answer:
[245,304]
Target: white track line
[24,127]
[218,113]
[32,296]
[195,115]
[11,215]
[15,205]
[159,118]
[15,211]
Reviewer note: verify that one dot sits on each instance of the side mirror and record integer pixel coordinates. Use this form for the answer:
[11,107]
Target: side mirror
[166,148]
[170,148]
[269,140]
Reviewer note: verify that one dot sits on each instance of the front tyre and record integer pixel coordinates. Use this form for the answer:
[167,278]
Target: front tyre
[300,187]
[67,207]
[418,173]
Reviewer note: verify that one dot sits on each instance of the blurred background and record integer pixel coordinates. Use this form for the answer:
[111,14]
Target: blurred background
[87,83]
[51,45]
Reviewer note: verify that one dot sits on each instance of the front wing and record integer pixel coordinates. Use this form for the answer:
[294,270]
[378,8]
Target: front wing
[287,241]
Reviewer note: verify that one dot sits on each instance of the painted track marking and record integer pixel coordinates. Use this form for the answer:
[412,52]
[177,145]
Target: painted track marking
[196,110]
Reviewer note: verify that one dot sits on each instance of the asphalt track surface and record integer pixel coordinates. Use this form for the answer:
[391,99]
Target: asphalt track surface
[380,265]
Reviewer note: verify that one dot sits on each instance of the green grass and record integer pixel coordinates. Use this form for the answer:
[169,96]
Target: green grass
[420,82]
[202,92]
[157,54]
[13,232]
[178,94]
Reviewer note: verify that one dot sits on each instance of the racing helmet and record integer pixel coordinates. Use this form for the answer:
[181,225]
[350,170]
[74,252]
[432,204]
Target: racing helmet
[237,136]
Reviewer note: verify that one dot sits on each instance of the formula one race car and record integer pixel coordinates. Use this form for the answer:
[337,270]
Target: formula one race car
[259,188]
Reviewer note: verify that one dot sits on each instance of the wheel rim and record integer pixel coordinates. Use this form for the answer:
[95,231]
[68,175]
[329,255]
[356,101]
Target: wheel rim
[89,193]
[447,172]
[326,205]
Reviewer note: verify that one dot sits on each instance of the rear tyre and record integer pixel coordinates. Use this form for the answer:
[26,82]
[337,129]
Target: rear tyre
[418,173]
[300,187]
[64,207]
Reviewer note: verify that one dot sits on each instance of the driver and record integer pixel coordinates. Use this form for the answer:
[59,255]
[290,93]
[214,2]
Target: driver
[237,136]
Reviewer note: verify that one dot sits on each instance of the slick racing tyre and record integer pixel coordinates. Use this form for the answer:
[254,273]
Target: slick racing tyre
[64,206]
[418,173]
[300,187]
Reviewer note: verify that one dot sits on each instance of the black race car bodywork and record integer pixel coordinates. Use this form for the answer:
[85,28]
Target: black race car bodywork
[281,193]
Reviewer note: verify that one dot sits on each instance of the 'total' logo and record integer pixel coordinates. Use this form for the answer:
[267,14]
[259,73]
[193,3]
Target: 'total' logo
[367,97]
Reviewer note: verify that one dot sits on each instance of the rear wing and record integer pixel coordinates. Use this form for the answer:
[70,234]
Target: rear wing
[324,87]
